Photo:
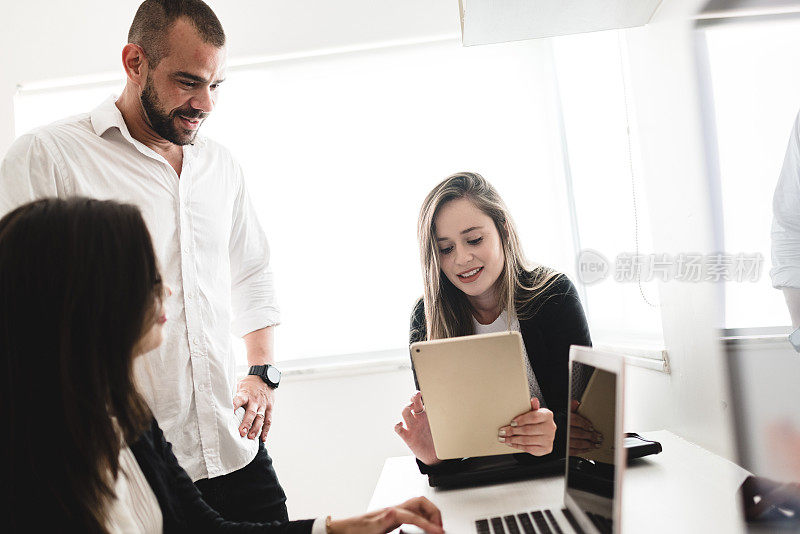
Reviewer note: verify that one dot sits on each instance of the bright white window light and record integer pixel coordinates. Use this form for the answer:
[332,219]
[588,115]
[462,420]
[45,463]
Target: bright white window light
[340,150]
[594,99]
[755,80]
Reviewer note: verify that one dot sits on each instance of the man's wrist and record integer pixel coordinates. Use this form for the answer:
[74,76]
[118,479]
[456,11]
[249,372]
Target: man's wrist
[270,374]
[261,359]
[260,346]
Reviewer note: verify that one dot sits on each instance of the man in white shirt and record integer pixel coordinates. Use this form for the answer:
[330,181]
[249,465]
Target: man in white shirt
[144,148]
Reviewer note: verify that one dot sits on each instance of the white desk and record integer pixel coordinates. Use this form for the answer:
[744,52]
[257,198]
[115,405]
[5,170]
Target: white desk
[683,489]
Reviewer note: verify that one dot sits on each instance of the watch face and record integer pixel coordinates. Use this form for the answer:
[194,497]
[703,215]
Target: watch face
[273,375]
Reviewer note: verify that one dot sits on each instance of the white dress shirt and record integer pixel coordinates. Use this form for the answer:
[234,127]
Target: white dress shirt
[212,253]
[785,270]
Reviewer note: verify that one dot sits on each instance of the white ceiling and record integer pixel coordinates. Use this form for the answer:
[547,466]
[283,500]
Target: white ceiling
[492,21]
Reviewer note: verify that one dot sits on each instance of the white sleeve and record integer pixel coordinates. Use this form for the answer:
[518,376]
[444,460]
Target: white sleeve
[785,233]
[30,170]
[318,526]
[252,290]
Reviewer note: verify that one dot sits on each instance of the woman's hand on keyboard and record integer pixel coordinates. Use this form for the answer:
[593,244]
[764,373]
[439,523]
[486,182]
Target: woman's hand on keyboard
[418,511]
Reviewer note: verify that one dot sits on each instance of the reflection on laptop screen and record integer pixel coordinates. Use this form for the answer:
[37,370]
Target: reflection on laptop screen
[591,469]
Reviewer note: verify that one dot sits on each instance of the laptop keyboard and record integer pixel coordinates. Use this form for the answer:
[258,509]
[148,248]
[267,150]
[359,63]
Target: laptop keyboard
[539,522]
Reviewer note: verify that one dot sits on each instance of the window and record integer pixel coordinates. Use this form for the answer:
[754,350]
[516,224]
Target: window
[35,106]
[339,151]
[754,78]
[600,140]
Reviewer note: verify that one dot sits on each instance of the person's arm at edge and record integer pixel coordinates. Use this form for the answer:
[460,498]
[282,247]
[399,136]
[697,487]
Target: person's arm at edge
[785,231]
[792,297]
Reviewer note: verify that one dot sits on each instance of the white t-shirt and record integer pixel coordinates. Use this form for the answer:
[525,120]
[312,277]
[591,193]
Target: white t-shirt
[136,508]
[501,325]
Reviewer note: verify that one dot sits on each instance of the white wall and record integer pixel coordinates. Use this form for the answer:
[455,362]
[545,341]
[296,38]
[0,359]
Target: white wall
[53,39]
[331,435]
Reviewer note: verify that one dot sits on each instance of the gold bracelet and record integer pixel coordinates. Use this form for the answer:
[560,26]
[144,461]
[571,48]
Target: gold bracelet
[328,525]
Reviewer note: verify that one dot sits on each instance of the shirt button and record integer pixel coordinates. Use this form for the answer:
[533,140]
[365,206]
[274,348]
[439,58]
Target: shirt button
[186,250]
[200,388]
[196,341]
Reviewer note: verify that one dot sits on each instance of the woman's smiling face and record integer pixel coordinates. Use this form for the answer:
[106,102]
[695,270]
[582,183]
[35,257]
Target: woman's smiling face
[470,250]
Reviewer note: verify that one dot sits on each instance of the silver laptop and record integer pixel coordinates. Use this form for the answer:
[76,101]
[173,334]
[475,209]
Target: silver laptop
[593,483]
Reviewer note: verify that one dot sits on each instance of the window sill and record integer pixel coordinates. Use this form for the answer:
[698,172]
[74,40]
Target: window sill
[385,361]
[756,336]
[647,357]
[388,361]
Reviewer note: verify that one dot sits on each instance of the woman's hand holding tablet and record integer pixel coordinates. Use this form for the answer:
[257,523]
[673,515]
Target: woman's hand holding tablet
[532,432]
[417,431]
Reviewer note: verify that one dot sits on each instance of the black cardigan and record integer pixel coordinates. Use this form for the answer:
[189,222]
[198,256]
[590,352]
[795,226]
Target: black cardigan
[549,325]
[182,506]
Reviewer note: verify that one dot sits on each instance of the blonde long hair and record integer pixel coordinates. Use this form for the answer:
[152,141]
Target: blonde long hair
[448,312]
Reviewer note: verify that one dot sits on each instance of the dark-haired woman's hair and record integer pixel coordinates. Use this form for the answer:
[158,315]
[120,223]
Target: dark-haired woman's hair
[78,283]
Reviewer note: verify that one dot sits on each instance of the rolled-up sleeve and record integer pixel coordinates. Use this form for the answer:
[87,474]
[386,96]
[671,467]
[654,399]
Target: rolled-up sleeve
[253,299]
[785,270]
[30,170]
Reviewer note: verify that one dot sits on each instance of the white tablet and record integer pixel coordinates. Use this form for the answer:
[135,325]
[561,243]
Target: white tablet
[471,386]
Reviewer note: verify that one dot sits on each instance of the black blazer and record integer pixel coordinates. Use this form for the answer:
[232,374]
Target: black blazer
[548,325]
[182,506]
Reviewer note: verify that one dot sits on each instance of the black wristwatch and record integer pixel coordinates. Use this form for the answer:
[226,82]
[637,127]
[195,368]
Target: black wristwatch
[268,373]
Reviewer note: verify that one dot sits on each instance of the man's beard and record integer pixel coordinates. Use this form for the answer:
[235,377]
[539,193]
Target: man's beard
[163,122]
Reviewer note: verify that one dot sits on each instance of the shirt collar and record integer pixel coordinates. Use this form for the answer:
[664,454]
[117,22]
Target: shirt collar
[106,116]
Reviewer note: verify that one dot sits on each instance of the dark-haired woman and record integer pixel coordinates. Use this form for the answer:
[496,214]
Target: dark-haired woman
[476,281]
[80,299]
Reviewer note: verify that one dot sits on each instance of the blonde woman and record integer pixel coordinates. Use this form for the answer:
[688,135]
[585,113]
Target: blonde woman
[477,280]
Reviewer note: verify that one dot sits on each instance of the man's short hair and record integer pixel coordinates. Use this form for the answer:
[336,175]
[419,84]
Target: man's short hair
[154,18]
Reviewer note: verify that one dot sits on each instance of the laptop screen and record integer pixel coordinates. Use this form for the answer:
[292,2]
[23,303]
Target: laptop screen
[590,466]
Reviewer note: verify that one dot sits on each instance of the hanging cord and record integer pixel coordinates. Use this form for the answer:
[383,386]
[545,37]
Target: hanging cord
[633,174]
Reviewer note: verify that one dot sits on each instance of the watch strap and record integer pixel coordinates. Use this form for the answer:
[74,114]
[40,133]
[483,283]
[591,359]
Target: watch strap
[263,372]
